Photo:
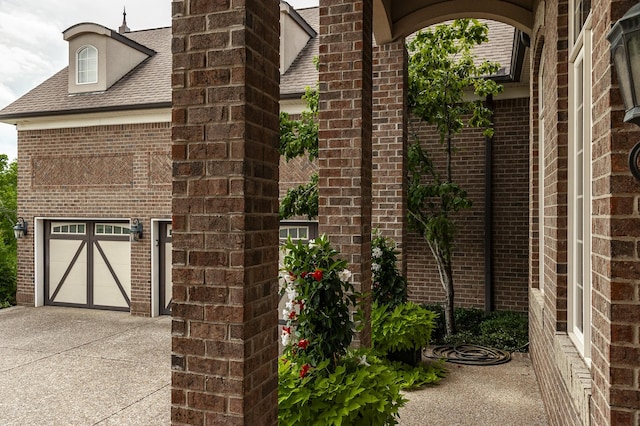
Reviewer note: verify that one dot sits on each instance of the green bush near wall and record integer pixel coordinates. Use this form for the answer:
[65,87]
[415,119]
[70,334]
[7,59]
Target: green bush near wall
[506,330]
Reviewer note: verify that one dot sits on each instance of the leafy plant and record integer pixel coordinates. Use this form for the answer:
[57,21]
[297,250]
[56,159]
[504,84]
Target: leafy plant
[414,377]
[389,287]
[359,391]
[441,70]
[406,327]
[299,138]
[320,382]
[8,244]
[301,200]
[504,330]
[319,326]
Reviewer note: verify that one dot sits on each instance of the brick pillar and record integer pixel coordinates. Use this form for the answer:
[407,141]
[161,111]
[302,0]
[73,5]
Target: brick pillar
[345,134]
[615,293]
[390,117]
[225,202]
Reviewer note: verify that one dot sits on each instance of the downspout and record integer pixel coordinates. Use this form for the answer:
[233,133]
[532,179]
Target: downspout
[488,216]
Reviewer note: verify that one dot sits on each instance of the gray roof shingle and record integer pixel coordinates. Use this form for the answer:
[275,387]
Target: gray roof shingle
[149,84]
[303,72]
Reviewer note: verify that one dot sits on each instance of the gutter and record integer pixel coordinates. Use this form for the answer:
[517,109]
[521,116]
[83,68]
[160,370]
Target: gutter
[15,117]
[488,217]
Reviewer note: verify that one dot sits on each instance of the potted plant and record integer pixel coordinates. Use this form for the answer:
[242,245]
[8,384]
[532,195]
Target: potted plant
[401,332]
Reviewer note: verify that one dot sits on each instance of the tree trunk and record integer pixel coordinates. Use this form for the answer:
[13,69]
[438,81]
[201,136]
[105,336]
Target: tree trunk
[447,284]
[445,271]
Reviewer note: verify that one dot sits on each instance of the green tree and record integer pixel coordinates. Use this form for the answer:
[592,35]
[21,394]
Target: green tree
[442,69]
[8,244]
[299,138]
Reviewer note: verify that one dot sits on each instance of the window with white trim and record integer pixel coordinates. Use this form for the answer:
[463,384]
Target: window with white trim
[87,65]
[579,176]
[298,232]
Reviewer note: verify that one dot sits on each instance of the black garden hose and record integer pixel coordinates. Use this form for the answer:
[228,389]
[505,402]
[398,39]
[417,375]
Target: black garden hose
[470,355]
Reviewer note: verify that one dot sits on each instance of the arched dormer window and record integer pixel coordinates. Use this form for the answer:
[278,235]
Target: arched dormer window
[87,65]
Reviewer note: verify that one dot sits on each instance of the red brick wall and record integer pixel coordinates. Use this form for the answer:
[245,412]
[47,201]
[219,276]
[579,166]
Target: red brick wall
[345,150]
[389,173]
[225,202]
[607,392]
[510,219]
[119,172]
[616,239]
[562,375]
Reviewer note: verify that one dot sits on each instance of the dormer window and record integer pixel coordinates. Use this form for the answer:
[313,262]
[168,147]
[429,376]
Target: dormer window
[87,60]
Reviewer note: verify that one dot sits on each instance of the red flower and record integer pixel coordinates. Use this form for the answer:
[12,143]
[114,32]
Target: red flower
[302,344]
[292,315]
[305,369]
[286,330]
[303,274]
[317,275]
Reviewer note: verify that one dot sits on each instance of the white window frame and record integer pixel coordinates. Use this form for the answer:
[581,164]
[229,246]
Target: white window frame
[297,228]
[541,173]
[579,198]
[87,66]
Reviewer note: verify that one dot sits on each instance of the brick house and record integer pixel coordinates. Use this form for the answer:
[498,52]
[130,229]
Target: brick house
[583,256]
[101,149]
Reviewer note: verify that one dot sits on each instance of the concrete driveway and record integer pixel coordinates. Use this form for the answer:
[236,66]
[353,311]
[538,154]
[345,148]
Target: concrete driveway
[64,366]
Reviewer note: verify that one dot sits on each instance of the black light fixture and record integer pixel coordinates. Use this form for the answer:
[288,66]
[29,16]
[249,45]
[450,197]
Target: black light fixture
[625,50]
[136,229]
[20,228]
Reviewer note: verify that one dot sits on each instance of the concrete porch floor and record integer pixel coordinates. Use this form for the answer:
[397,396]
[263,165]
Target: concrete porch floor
[65,366]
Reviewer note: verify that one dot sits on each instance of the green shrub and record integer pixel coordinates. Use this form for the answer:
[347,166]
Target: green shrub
[389,287]
[320,296]
[7,276]
[406,327]
[360,391]
[414,377]
[320,381]
[504,330]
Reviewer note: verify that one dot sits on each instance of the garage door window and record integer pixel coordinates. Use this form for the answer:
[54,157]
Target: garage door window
[111,229]
[69,228]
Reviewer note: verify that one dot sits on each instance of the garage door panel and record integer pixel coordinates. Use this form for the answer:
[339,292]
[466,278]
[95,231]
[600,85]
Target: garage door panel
[168,287]
[68,272]
[111,274]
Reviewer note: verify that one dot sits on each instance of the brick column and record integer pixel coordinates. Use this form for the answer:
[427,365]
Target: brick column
[345,134]
[225,202]
[390,118]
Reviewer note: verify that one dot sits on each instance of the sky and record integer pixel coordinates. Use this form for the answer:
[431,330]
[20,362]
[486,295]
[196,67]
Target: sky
[32,48]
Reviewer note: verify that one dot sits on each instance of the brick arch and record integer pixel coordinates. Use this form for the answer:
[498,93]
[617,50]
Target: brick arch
[398,18]
[535,149]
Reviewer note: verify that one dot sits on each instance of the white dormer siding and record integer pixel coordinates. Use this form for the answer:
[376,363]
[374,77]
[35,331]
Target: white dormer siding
[116,56]
[295,33]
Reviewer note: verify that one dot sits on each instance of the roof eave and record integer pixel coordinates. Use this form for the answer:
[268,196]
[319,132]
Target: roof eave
[16,117]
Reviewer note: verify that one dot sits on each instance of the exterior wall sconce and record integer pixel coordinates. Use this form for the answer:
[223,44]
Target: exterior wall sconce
[20,229]
[136,230]
[625,50]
